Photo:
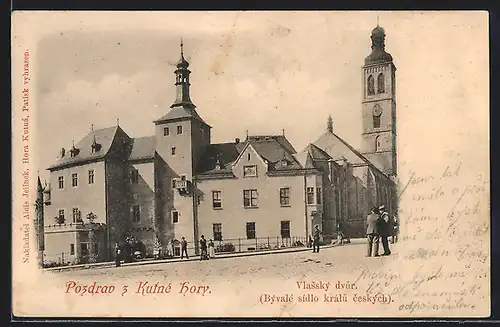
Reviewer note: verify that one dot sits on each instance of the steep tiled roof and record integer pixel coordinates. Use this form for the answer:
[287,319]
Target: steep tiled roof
[226,153]
[274,149]
[142,148]
[337,148]
[305,160]
[104,139]
[281,139]
[316,153]
[180,113]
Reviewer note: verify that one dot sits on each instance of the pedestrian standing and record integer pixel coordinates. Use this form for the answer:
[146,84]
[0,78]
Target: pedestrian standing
[184,245]
[118,256]
[316,238]
[395,229]
[211,249]
[203,247]
[384,229]
[372,232]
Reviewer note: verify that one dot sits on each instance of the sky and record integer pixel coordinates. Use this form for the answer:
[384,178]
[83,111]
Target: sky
[256,71]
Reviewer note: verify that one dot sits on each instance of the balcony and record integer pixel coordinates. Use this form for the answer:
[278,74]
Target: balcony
[182,185]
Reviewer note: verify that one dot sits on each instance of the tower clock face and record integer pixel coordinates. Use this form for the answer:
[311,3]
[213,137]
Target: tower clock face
[377,110]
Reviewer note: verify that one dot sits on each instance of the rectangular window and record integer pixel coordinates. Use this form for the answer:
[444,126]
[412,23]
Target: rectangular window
[310,195]
[318,195]
[60,180]
[74,179]
[285,229]
[136,213]
[217,229]
[173,150]
[166,131]
[250,171]
[285,196]
[179,129]
[61,214]
[175,217]
[76,215]
[91,176]
[134,176]
[250,198]
[250,230]
[216,199]
[72,249]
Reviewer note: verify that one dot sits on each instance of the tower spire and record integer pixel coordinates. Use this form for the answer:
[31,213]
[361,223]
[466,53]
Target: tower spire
[182,82]
[329,124]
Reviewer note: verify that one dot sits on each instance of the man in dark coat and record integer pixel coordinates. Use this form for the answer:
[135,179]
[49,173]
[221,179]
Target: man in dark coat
[118,255]
[184,245]
[384,226]
[316,238]
[203,247]
[372,232]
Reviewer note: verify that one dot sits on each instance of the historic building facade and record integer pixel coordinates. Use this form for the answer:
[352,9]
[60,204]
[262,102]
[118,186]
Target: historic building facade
[177,183]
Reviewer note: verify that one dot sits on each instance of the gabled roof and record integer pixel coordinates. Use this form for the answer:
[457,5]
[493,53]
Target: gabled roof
[339,149]
[180,112]
[143,148]
[275,149]
[281,139]
[316,153]
[225,153]
[103,137]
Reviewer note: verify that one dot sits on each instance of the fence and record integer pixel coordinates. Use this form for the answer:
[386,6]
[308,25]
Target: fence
[67,258]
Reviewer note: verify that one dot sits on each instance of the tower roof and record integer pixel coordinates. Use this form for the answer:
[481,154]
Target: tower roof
[378,53]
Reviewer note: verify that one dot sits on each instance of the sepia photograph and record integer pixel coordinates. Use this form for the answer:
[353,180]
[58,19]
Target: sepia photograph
[250,164]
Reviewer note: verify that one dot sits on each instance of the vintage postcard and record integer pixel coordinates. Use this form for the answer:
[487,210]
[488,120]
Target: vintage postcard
[250,164]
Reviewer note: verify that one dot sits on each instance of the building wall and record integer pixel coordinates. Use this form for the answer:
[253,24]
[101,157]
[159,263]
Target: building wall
[142,194]
[177,165]
[57,245]
[86,197]
[118,212]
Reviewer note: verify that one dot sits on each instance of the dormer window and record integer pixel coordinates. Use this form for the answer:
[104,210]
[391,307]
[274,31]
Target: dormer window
[73,152]
[95,147]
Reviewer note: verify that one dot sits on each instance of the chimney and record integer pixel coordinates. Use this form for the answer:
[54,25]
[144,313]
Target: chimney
[237,140]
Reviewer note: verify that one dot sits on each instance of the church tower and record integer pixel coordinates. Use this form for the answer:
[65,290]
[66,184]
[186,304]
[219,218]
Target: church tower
[181,138]
[379,106]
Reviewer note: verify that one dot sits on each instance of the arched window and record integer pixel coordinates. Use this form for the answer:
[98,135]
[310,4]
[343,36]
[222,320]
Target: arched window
[376,121]
[377,143]
[380,83]
[371,85]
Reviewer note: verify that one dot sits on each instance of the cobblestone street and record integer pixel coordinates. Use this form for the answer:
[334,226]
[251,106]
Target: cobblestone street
[282,265]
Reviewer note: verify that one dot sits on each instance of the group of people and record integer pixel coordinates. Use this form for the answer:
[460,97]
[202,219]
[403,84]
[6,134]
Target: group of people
[207,250]
[129,250]
[379,227]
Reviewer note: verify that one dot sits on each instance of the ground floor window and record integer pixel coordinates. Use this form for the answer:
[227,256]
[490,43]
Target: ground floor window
[84,249]
[285,229]
[250,230]
[72,249]
[217,230]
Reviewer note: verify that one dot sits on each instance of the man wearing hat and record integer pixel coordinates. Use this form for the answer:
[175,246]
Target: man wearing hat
[316,239]
[384,229]
[372,232]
